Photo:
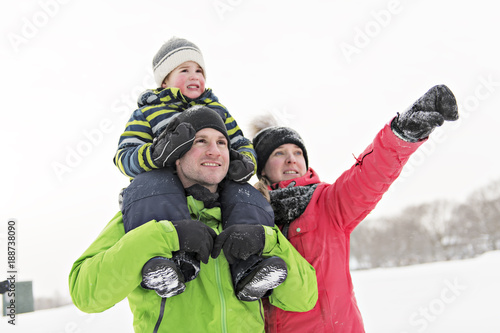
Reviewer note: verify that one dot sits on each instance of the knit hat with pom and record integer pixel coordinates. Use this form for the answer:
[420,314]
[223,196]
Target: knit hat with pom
[173,53]
[268,139]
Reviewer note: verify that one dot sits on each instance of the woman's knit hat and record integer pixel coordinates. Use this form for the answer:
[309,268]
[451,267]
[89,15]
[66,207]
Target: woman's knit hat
[270,138]
[173,53]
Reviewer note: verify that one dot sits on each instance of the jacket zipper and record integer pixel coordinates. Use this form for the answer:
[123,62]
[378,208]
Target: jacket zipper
[160,317]
[221,295]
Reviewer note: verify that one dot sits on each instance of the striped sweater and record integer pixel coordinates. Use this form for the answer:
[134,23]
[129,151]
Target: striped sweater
[156,109]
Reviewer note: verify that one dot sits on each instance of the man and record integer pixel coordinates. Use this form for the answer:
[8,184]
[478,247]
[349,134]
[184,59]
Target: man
[113,267]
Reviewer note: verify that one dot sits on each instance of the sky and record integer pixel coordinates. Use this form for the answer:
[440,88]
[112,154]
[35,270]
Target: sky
[336,71]
[455,296]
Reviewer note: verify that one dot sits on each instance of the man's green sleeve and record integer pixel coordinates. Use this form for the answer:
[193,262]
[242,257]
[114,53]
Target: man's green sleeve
[111,267]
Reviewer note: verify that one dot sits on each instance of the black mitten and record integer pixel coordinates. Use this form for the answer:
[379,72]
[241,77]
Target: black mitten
[240,242]
[195,236]
[429,111]
[172,143]
[241,167]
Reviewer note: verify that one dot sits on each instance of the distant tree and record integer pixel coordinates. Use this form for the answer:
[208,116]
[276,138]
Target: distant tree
[467,220]
[433,231]
[365,246]
[389,242]
[436,218]
[485,212]
[415,245]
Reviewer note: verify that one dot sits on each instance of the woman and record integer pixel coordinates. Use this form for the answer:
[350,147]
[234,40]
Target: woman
[318,218]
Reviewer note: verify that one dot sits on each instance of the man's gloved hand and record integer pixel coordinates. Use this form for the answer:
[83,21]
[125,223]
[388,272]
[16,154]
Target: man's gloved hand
[240,242]
[241,167]
[429,111]
[172,143]
[195,236]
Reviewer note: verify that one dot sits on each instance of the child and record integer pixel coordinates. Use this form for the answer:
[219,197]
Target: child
[154,140]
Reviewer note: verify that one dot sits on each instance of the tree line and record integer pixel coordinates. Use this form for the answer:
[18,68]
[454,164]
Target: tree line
[434,231]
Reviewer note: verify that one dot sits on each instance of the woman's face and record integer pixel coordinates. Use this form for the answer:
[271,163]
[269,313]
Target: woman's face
[285,162]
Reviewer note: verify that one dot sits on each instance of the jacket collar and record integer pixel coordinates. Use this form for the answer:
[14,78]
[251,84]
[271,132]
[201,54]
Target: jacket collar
[311,177]
[200,212]
[152,97]
[176,94]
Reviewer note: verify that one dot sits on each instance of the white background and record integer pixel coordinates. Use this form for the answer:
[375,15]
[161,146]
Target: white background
[336,71]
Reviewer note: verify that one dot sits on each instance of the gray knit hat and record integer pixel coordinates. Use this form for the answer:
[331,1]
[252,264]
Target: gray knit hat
[270,138]
[173,53]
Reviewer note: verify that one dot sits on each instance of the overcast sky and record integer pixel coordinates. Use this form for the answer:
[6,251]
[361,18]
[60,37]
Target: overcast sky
[336,71]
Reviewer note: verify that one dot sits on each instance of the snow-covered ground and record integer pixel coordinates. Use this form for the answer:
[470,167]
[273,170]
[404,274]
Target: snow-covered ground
[455,296]
[69,319]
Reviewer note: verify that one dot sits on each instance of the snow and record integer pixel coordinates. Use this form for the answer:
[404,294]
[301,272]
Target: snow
[69,319]
[455,296]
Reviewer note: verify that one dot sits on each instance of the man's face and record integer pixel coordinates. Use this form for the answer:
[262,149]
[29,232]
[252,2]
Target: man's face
[285,162]
[188,77]
[207,162]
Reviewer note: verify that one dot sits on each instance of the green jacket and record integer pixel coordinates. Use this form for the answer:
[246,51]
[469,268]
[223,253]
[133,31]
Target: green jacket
[110,270]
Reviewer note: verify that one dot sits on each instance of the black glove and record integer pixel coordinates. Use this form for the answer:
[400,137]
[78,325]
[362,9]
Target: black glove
[172,143]
[241,167]
[429,111]
[196,237]
[240,242]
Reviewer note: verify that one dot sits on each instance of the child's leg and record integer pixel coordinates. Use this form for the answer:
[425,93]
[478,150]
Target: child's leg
[159,195]
[244,204]
[154,195]
[254,277]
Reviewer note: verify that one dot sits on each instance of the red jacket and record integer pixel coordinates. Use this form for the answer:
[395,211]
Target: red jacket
[322,234]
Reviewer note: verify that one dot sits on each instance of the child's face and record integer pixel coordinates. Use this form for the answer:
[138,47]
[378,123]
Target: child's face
[188,77]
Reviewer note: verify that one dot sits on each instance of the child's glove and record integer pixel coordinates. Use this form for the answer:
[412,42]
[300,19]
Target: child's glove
[429,111]
[240,242]
[196,237]
[148,97]
[172,143]
[241,167]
